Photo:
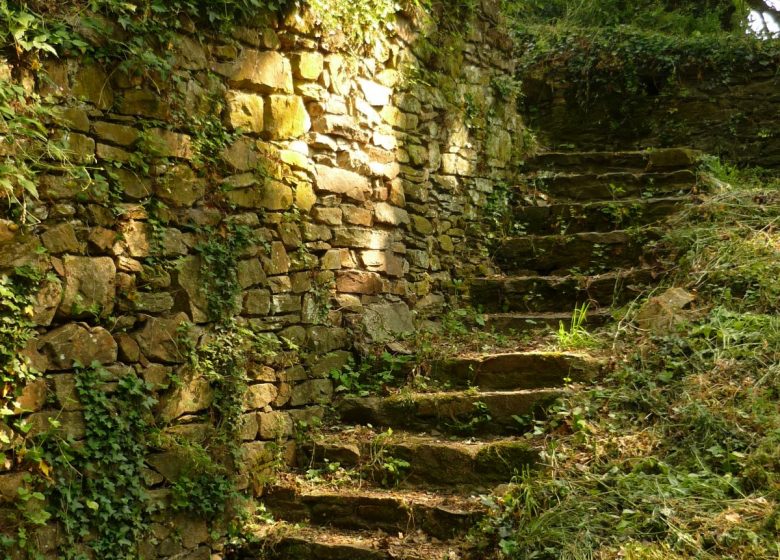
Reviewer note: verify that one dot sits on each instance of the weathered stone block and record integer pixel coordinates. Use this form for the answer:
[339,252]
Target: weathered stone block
[279,263]
[133,184]
[73,343]
[149,302]
[180,187]
[241,155]
[331,260]
[259,396]
[422,225]
[162,338]
[248,431]
[388,214]
[144,103]
[65,391]
[47,300]
[322,339]
[77,148]
[376,94]
[60,238]
[33,397]
[358,282]
[112,153]
[115,133]
[188,53]
[71,424]
[260,71]
[330,362]
[285,303]
[89,286]
[340,181]
[245,111]
[361,238]
[308,65]
[257,302]
[275,425]
[276,196]
[286,117]
[384,322]
[453,164]
[329,216]
[316,391]
[304,196]
[189,279]
[192,395]
[250,273]
[91,84]
[167,143]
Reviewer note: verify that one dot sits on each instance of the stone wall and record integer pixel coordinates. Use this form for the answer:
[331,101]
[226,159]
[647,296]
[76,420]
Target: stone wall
[346,191]
[736,116]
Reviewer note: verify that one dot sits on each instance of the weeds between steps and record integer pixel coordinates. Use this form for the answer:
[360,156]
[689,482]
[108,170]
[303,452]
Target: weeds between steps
[676,453]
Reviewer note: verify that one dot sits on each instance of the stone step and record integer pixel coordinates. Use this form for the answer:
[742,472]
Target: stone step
[599,216]
[589,252]
[284,541]
[438,514]
[432,460]
[659,159]
[509,323]
[559,293]
[617,185]
[583,253]
[516,370]
[456,412]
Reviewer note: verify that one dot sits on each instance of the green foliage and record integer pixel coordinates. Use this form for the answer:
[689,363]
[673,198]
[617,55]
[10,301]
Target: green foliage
[629,64]
[219,255]
[576,336]
[22,128]
[669,16]
[728,247]
[98,488]
[204,487]
[469,425]
[384,468]
[360,21]
[498,213]
[16,299]
[224,356]
[223,359]
[373,374]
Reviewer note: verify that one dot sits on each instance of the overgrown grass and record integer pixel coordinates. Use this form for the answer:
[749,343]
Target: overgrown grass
[676,453]
[683,18]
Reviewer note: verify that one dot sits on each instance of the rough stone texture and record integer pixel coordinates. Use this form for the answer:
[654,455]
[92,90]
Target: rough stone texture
[75,343]
[89,286]
[260,396]
[161,338]
[384,322]
[286,117]
[703,118]
[245,111]
[190,281]
[261,71]
[339,181]
[191,396]
[310,392]
[360,197]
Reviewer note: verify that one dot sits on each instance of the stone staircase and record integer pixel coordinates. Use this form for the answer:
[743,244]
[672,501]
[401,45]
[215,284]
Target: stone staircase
[589,232]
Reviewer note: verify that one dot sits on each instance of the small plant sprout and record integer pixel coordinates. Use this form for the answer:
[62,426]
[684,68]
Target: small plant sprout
[576,336]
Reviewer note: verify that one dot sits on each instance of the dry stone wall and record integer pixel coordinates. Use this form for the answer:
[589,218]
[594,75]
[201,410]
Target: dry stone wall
[735,116]
[276,180]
